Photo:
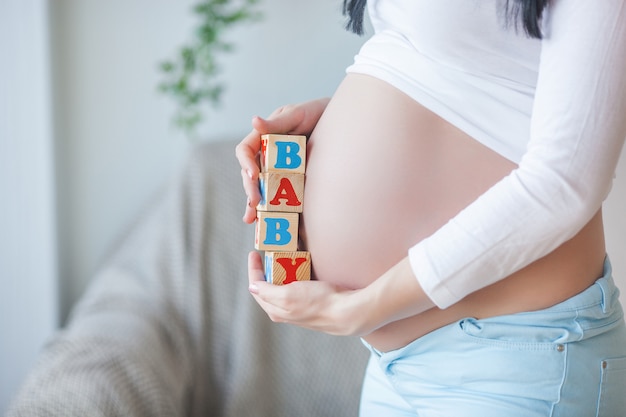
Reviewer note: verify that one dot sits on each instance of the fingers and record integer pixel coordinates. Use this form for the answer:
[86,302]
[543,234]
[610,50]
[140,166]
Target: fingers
[255,269]
[246,153]
[263,291]
[251,188]
[260,289]
[277,300]
[286,120]
[256,275]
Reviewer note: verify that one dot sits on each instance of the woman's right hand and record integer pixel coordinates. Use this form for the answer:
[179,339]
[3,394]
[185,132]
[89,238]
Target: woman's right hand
[297,119]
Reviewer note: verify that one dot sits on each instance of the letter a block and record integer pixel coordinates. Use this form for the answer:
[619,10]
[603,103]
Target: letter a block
[281,192]
[283,153]
[276,231]
[286,267]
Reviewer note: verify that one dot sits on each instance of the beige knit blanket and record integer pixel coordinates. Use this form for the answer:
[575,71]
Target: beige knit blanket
[168,328]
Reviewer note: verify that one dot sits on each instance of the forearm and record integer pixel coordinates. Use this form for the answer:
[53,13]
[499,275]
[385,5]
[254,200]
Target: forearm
[394,296]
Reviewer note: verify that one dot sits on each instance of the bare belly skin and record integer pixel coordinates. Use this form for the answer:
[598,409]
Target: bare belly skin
[384,173]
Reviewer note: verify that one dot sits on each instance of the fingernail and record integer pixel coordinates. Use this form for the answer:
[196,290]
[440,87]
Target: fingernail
[253,289]
[249,172]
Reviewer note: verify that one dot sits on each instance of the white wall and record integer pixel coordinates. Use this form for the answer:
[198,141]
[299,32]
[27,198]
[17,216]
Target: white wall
[28,264]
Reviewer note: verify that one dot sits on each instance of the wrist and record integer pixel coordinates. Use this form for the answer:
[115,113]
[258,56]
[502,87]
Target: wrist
[394,296]
[358,310]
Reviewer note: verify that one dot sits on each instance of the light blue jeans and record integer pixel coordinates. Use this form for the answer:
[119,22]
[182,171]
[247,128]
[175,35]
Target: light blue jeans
[568,361]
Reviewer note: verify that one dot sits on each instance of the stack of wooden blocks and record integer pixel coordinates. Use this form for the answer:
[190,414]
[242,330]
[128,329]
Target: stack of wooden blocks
[283,165]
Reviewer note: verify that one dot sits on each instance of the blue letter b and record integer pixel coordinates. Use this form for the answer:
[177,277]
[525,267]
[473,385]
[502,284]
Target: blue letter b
[277,232]
[287,155]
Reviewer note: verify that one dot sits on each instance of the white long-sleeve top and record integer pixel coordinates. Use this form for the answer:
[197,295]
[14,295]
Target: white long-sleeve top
[556,107]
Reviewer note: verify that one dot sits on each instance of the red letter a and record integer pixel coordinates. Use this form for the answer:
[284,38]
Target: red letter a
[291,267]
[285,191]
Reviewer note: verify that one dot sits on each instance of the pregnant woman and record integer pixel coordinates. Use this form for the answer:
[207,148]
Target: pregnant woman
[453,207]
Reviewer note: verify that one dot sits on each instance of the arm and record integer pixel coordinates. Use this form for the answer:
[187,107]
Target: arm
[577,132]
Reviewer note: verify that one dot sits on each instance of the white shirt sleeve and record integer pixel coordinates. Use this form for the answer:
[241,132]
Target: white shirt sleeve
[578,127]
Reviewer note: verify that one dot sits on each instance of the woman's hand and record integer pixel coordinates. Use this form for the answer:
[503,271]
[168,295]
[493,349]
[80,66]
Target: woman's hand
[314,305]
[321,306]
[298,119]
[328,308]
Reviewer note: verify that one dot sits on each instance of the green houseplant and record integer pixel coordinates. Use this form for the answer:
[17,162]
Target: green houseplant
[191,78]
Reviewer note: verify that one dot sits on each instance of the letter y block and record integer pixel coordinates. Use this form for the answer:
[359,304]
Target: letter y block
[286,267]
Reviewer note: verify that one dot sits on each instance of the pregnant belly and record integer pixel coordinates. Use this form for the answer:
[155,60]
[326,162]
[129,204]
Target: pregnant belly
[383,173]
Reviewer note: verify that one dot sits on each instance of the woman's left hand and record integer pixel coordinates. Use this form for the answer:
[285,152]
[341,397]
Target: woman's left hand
[314,305]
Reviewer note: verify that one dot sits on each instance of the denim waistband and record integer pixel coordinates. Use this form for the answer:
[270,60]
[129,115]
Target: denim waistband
[603,293]
[593,311]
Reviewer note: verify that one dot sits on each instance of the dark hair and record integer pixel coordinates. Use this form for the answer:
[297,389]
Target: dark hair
[527,11]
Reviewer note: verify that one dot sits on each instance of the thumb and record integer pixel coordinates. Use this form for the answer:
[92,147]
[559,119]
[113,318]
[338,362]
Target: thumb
[256,272]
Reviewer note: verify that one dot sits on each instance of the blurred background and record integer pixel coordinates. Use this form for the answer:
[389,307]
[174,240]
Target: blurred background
[86,139]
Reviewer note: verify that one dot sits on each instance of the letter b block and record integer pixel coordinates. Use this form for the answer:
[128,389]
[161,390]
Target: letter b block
[286,267]
[276,231]
[281,192]
[283,153]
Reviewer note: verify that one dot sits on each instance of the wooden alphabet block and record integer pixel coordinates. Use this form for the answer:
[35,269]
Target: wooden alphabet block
[282,192]
[276,231]
[283,153]
[286,267]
